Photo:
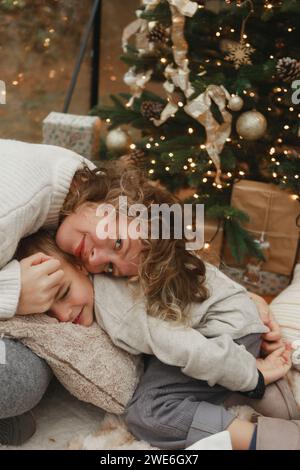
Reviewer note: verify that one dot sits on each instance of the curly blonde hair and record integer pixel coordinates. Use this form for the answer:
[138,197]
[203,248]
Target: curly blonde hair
[171,276]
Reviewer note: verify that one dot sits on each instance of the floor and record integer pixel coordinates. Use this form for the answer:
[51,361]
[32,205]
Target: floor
[60,418]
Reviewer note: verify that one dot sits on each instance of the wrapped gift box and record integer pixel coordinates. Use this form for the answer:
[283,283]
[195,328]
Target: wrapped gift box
[78,133]
[273,223]
[213,237]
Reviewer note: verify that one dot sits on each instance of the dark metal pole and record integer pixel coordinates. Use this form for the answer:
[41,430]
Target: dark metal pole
[96,50]
[80,57]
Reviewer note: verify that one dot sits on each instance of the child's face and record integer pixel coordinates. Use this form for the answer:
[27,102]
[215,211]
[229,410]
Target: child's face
[77,236]
[74,300]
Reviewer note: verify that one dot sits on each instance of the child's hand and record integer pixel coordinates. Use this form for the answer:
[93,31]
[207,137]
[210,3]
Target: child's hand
[41,278]
[271,340]
[276,365]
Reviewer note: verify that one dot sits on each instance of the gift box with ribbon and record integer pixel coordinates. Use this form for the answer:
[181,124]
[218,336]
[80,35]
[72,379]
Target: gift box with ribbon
[273,215]
[78,133]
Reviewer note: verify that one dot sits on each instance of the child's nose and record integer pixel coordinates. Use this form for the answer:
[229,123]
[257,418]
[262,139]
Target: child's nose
[63,315]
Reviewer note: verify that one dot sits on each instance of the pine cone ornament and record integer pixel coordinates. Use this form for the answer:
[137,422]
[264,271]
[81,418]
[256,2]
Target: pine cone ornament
[288,69]
[158,34]
[151,109]
[135,158]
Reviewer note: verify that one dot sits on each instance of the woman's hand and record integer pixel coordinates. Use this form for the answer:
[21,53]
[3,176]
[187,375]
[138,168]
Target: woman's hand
[271,340]
[41,278]
[275,365]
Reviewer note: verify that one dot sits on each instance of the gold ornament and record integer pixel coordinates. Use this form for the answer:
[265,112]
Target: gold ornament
[251,125]
[117,140]
[235,103]
[239,53]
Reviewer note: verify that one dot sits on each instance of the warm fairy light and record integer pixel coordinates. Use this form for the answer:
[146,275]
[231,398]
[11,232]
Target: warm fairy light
[274,175]
[218,34]
[272,150]
[151,171]
[148,146]
[193,164]
[271,57]
[132,146]
[162,137]
[190,130]
[171,154]
[151,139]
[291,109]
[242,173]
[203,146]
[190,160]
[163,60]
[180,104]
[209,172]
[296,177]
[279,99]
[290,30]
[229,174]
[153,162]
[15,82]
[196,196]
[206,246]
[167,168]
[232,30]
[286,127]
[279,141]
[295,197]
[205,180]
[47,42]
[219,186]
[185,167]
[156,144]
[210,162]
[107,120]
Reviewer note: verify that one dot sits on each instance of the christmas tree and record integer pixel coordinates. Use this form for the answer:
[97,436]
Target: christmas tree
[227,104]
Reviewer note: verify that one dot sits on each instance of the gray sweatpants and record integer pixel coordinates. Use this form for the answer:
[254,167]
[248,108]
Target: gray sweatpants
[172,411]
[23,379]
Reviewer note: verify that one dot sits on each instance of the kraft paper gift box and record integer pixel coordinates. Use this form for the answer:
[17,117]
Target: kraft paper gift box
[78,133]
[273,220]
[213,238]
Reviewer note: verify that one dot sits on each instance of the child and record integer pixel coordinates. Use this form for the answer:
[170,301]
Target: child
[218,351]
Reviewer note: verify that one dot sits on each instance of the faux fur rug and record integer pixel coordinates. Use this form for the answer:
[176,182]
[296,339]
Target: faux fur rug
[113,434]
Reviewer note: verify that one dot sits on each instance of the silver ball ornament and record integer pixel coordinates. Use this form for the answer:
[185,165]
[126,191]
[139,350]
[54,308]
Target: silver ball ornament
[235,103]
[251,125]
[117,140]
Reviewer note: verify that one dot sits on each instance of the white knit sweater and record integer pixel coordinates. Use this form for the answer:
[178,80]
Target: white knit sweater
[34,181]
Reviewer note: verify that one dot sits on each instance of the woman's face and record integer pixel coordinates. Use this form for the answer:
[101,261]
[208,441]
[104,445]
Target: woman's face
[119,255]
